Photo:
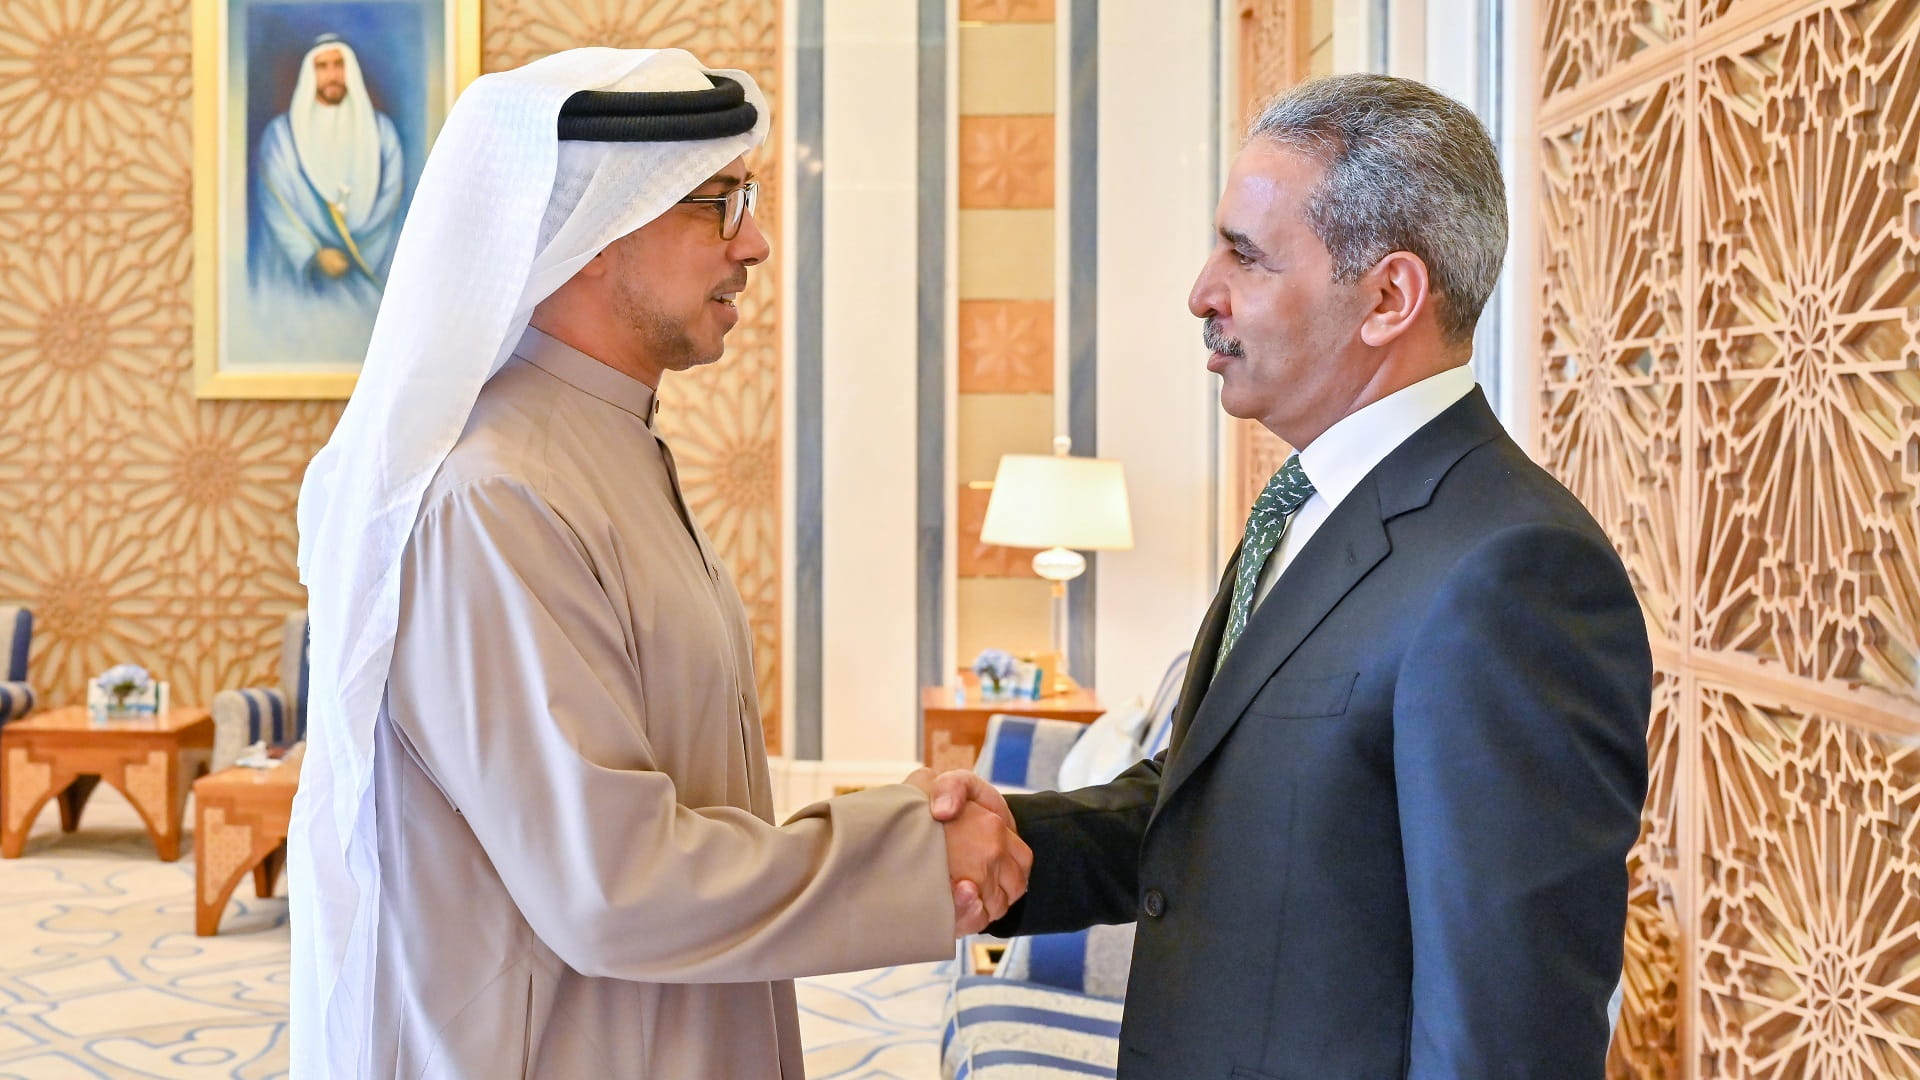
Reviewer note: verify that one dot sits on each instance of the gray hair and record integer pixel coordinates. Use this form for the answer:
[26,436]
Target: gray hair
[1407,169]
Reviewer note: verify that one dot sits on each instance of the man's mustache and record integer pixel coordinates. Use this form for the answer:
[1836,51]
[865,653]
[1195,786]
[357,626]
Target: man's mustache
[1218,341]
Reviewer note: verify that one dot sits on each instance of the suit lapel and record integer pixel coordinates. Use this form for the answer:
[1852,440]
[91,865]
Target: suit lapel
[1206,647]
[1350,543]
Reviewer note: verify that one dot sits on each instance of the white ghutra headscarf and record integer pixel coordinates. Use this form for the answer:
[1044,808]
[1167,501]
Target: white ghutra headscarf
[505,214]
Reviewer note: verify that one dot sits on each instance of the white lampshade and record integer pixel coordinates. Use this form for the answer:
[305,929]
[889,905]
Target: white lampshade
[1056,501]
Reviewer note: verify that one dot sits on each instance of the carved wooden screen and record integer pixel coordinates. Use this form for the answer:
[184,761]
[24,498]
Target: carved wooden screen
[1729,271]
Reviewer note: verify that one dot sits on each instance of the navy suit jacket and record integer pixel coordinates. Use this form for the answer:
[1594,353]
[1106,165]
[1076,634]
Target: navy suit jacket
[1389,838]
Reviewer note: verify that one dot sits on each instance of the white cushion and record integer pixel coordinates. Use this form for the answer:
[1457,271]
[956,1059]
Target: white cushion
[1110,746]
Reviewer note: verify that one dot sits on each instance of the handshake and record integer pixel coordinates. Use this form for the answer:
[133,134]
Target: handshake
[987,862]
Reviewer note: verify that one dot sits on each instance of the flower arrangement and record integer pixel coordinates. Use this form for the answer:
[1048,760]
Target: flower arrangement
[995,668]
[126,688]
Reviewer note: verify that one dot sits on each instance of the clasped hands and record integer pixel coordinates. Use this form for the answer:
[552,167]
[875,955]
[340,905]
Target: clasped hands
[987,862]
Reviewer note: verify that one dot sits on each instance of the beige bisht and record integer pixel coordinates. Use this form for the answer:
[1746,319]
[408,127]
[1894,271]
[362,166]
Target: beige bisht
[534,833]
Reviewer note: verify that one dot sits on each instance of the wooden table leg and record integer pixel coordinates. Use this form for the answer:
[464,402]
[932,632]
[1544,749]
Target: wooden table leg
[74,800]
[149,785]
[223,852]
[29,784]
[267,874]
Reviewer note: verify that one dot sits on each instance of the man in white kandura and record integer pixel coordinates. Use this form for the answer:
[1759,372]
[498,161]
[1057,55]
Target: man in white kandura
[534,834]
[328,187]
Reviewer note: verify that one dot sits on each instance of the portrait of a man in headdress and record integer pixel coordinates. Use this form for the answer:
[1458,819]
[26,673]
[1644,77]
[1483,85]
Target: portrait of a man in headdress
[327,109]
[329,171]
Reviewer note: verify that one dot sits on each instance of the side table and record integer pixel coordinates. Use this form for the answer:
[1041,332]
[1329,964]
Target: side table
[65,753]
[240,824]
[951,733]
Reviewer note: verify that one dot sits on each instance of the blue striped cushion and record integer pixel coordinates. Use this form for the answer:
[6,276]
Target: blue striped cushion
[266,714]
[16,636]
[1092,961]
[1025,1065]
[1024,751]
[1002,1030]
[244,717]
[16,700]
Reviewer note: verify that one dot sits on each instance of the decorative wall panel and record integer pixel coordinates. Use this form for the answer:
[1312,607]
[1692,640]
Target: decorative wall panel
[1274,43]
[1646,1043]
[144,525]
[1006,346]
[1613,303]
[1006,162]
[1004,330]
[139,524]
[1729,259]
[1809,365]
[1586,40]
[1006,10]
[1810,895]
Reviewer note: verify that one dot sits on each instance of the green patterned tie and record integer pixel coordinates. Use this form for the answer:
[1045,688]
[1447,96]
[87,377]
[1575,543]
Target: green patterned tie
[1285,493]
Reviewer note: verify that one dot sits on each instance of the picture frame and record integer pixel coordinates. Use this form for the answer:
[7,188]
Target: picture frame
[311,122]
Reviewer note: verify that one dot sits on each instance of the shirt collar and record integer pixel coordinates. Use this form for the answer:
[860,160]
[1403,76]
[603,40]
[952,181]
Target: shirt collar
[1345,453]
[590,376]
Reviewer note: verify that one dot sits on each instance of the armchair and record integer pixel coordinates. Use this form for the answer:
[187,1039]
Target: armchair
[16,636]
[277,715]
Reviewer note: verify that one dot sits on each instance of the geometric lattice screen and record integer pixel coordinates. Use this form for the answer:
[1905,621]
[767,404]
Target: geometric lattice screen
[143,524]
[1729,275]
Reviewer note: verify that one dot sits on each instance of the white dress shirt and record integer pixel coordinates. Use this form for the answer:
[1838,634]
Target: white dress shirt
[1345,453]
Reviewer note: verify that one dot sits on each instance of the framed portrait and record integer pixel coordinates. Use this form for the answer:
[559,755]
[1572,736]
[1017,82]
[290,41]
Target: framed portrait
[312,120]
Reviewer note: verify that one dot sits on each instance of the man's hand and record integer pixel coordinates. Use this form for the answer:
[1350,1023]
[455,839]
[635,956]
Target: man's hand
[952,790]
[984,853]
[950,794]
[333,262]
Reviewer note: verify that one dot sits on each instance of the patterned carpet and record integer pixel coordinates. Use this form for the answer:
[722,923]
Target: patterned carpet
[102,976]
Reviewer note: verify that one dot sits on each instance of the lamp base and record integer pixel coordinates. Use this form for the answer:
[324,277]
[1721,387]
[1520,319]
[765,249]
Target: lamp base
[1060,682]
[1059,566]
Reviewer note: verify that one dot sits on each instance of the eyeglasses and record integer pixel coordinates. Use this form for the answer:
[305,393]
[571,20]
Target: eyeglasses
[735,205]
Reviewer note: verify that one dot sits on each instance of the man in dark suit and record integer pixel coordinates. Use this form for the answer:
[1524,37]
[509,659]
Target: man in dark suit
[1389,836]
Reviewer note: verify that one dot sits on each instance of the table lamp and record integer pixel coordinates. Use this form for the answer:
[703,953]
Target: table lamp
[1058,503]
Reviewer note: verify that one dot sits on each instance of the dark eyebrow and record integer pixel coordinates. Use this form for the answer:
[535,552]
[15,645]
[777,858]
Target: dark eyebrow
[728,183]
[1243,242]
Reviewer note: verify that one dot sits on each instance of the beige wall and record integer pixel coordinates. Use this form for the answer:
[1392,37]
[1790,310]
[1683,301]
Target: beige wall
[144,525]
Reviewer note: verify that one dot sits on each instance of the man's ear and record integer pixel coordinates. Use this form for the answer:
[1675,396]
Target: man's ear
[1398,288]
